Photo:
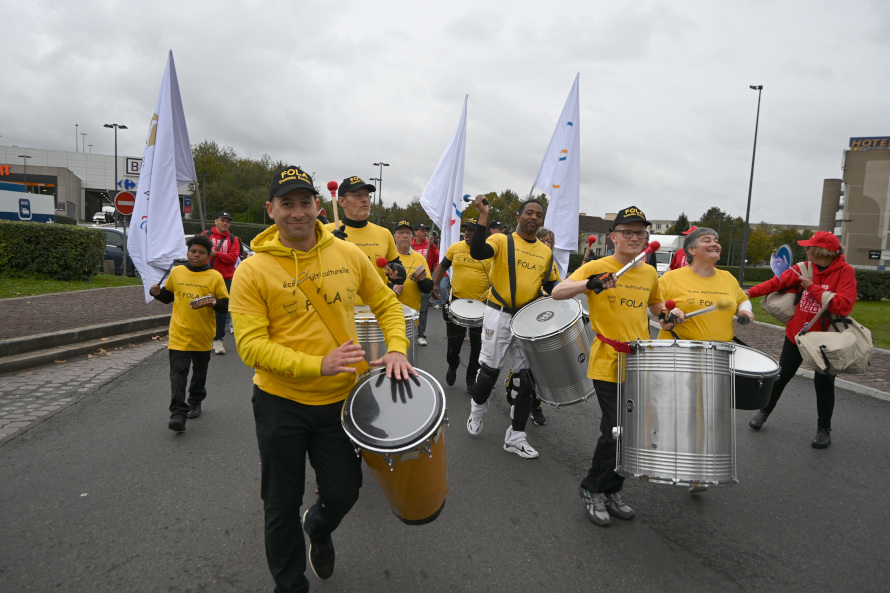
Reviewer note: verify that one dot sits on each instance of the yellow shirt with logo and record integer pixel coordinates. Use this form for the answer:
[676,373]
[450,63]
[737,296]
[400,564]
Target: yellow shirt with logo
[533,267]
[192,330]
[279,333]
[410,291]
[374,241]
[468,277]
[617,313]
[691,292]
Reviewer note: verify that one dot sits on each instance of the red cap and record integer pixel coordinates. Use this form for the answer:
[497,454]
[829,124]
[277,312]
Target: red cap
[822,239]
[692,228]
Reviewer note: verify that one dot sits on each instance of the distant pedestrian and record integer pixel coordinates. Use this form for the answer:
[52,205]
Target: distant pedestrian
[196,291]
[422,245]
[223,257]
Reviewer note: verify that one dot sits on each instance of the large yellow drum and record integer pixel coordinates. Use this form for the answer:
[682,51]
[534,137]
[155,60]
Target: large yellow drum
[399,428]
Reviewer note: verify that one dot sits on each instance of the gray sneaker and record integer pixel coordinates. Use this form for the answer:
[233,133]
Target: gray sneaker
[219,347]
[595,503]
[617,507]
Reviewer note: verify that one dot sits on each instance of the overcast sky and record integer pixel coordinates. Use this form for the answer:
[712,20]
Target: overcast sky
[667,118]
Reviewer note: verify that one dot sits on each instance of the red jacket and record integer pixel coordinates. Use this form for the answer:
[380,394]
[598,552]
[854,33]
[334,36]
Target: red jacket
[679,260]
[429,251]
[228,249]
[839,278]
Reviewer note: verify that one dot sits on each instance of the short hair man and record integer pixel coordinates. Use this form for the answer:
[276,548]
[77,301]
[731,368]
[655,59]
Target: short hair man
[223,257]
[303,374]
[423,245]
[512,288]
[497,227]
[470,282]
[617,315]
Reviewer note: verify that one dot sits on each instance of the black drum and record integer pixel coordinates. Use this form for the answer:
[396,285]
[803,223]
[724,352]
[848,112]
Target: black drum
[755,374]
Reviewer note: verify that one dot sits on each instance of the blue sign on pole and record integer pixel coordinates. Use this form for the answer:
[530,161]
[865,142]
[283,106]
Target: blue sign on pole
[126,184]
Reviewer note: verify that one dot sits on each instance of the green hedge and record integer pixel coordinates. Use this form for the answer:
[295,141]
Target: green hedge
[243,230]
[873,285]
[65,220]
[57,251]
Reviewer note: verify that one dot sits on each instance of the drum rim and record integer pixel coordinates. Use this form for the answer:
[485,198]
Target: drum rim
[752,373]
[728,346]
[420,435]
[553,333]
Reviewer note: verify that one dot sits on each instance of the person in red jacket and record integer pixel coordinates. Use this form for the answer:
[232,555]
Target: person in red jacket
[422,245]
[831,272]
[225,254]
[679,259]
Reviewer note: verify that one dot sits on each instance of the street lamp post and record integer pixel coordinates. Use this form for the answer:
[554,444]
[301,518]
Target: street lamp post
[75,137]
[759,89]
[91,148]
[114,184]
[381,164]
[83,143]
[25,158]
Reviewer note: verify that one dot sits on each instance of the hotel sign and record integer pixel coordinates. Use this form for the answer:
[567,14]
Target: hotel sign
[869,142]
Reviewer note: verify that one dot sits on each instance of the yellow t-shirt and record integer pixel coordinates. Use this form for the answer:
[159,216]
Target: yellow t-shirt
[469,279]
[617,313]
[193,329]
[410,291]
[691,292]
[279,333]
[374,241]
[532,268]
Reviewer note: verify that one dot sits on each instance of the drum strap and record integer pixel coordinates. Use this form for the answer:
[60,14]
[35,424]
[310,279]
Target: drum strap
[511,263]
[618,346]
[327,316]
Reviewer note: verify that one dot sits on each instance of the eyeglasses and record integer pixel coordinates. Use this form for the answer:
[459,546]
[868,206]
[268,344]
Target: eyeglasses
[631,234]
[360,194]
[547,241]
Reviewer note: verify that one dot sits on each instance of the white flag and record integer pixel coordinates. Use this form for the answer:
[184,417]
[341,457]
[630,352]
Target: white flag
[156,236]
[560,177]
[442,198]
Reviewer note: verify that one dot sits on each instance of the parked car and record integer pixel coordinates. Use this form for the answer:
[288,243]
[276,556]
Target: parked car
[114,250]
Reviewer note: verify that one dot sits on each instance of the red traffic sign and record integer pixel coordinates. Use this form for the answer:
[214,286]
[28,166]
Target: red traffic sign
[124,202]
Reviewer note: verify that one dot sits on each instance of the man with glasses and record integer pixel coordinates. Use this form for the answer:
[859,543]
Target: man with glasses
[617,315]
[354,195]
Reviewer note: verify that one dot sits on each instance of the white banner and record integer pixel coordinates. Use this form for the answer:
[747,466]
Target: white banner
[156,236]
[442,198]
[560,177]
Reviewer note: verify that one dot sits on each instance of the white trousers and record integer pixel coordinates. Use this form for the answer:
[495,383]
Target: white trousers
[499,348]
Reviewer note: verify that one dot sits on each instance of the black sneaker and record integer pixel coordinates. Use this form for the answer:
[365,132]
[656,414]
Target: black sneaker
[321,554]
[450,376]
[823,438]
[177,423]
[194,411]
[538,417]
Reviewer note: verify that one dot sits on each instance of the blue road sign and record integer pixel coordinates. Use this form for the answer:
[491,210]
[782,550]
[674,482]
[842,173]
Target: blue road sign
[126,184]
[784,252]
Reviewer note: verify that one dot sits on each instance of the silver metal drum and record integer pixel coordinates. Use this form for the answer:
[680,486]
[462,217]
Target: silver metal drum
[551,334]
[370,336]
[676,415]
[466,312]
[585,315]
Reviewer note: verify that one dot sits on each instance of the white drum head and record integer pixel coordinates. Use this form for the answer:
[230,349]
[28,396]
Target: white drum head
[468,308]
[545,317]
[749,361]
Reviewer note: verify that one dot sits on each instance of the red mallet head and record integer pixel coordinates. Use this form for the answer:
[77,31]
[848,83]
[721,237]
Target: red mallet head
[332,187]
[381,262]
[652,247]
[670,305]
[591,240]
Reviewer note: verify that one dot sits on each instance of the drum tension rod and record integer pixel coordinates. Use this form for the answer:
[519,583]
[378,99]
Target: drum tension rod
[428,448]
[390,461]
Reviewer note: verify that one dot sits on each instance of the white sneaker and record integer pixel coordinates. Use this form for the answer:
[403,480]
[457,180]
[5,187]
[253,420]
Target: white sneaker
[218,347]
[474,422]
[421,341]
[230,329]
[515,442]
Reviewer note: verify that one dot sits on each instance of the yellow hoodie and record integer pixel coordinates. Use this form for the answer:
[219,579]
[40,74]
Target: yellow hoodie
[278,332]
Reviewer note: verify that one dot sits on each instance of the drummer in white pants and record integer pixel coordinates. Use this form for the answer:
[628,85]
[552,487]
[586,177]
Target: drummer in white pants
[520,266]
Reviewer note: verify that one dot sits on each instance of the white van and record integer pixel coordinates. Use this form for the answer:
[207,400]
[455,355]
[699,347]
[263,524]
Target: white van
[669,245]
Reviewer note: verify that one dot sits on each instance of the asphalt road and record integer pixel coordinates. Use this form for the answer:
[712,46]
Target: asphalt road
[101,496]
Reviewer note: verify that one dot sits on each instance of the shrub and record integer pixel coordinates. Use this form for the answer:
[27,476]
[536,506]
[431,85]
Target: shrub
[65,220]
[57,251]
[873,285]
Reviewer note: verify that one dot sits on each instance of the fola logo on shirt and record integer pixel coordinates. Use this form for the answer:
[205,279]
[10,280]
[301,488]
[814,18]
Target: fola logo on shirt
[633,304]
[527,265]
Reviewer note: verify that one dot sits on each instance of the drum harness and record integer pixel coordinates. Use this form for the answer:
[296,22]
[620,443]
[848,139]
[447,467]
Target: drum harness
[511,262]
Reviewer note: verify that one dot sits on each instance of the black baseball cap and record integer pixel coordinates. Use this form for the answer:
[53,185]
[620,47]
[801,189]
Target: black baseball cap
[630,214]
[289,179]
[470,223]
[402,224]
[497,224]
[224,215]
[420,225]
[353,184]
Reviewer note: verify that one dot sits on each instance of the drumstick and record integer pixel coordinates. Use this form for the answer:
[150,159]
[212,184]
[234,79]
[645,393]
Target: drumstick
[332,187]
[722,305]
[651,247]
[467,198]
[590,241]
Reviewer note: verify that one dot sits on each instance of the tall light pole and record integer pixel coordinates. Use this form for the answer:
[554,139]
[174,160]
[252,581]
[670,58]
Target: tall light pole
[759,89]
[91,148]
[83,144]
[381,164]
[25,158]
[75,137]
[116,127]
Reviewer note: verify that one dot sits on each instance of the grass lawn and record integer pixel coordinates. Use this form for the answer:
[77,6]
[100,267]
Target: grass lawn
[21,287]
[872,314]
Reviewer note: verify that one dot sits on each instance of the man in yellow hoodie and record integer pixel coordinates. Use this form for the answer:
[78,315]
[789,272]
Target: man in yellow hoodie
[303,374]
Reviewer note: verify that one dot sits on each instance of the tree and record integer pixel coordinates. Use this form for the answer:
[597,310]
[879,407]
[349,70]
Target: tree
[678,227]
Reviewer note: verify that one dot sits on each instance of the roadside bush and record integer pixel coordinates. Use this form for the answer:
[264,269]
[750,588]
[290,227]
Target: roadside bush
[57,251]
[873,285]
[66,220]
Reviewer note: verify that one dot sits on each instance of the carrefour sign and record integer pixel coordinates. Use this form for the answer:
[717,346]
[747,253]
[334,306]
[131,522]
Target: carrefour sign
[870,142]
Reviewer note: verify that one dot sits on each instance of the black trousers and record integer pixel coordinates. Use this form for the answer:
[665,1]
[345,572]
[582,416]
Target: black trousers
[287,432]
[180,361]
[456,335]
[789,361]
[601,476]
[222,318]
